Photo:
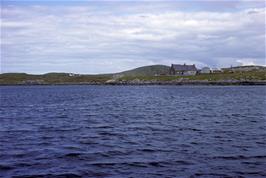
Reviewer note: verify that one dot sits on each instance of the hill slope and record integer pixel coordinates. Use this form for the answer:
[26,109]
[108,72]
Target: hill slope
[51,78]
[144,74]
[146,71]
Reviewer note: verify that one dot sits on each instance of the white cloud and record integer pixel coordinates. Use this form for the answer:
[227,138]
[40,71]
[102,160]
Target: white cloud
[246,62]
[94,37]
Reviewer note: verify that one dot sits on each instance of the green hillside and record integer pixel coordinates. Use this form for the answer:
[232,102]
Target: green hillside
[51,78]
[246,75]
[147,71]
[154,73]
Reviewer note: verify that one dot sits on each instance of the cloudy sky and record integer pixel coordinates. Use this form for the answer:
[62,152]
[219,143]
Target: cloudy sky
[110,36]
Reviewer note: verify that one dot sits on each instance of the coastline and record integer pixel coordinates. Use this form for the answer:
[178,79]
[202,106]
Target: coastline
[136,83]
[146,75]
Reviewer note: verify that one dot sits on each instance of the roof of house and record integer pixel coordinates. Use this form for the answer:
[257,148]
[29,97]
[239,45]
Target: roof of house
[184,67]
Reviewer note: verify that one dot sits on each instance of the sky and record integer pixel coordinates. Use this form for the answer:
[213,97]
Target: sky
[95,37]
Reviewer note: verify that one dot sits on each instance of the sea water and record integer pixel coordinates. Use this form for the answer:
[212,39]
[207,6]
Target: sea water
[133,131]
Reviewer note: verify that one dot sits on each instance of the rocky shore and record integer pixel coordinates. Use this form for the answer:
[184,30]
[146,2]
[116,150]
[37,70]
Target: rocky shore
[188,82]
[152,82]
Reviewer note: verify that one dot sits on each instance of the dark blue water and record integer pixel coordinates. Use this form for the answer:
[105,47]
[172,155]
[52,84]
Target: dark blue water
[133,131]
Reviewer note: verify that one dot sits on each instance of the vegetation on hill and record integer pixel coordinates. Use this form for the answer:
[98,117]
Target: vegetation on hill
[245,68]
[52,78]
[147,71]
[156,73]
[249,75]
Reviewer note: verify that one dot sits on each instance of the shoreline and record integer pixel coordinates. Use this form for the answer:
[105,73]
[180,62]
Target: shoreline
[132,83]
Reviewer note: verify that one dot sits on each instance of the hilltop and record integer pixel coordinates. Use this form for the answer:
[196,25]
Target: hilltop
[147,71]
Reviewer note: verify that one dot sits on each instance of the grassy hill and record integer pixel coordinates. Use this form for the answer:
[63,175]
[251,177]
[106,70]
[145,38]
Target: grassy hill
[246,75]
[147,71]
[51,78]
[155,73]
[245,68]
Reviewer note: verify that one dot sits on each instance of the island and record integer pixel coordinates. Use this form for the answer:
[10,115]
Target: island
[180,74]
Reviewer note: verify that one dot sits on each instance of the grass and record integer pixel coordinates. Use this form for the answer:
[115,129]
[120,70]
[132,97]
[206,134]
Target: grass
[64,78]
[51,78]
[250,75]
[147,71]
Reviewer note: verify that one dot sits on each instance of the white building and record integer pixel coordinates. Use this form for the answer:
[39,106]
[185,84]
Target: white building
[205,70]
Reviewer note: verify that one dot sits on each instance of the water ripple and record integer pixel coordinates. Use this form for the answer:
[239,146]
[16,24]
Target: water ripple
[132,131]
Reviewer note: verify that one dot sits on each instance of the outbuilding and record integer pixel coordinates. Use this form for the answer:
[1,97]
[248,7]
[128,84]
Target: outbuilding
[179,69]
[205,70]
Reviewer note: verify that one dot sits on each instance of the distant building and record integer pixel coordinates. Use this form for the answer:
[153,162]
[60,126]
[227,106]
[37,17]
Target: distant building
[73,75]
[179,69]
[216,70]
[205,70]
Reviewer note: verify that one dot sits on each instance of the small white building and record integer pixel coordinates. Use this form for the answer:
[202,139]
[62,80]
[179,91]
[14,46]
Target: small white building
[216,70]
[205,70]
